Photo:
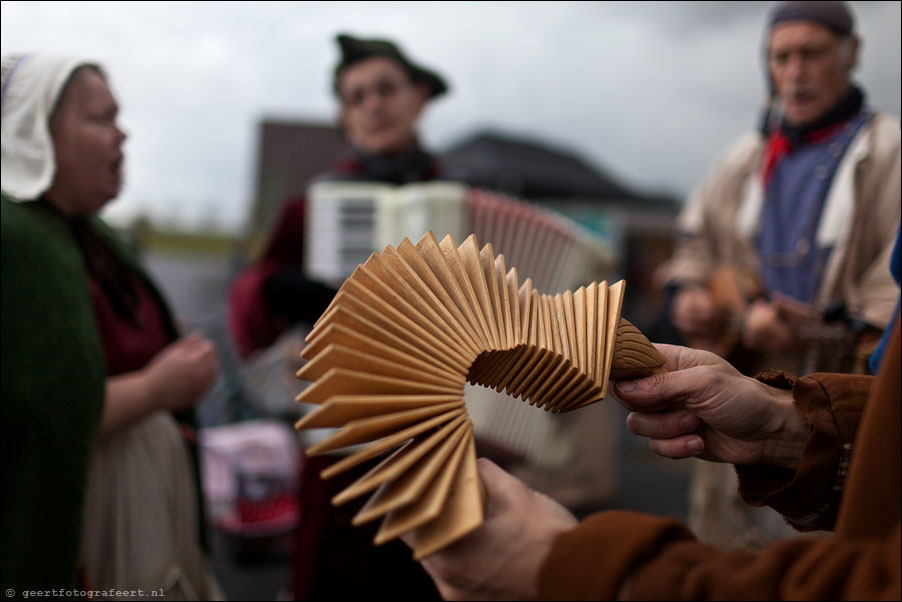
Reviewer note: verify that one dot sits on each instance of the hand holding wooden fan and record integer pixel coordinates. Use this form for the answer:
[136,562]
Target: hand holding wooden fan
[407,330]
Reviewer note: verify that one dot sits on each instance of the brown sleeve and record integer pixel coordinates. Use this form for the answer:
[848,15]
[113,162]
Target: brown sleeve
[592,560]
[662,561]
[832,405]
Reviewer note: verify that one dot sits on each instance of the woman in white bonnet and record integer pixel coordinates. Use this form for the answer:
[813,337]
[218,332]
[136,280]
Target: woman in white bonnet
[100,473]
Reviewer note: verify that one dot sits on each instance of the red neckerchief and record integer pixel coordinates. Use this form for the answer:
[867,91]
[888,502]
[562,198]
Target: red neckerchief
[778,146]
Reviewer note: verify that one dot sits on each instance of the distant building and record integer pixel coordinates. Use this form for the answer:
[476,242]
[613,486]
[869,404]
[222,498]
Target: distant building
[289,155]
[638,225]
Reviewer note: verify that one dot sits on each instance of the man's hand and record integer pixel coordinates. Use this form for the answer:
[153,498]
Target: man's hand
[772,326]
[704,407]
[693,313]
[501,559]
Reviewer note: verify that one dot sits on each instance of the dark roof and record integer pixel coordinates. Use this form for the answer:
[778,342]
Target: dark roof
[290,153]
[531,169]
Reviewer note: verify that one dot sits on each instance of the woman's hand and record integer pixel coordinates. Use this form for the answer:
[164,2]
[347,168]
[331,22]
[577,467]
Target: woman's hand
[182,372]
[175,379]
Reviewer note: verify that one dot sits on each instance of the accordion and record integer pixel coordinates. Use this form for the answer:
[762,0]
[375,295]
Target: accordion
[348,221]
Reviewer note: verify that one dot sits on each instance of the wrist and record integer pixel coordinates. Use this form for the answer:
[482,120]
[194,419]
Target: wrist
[149,394]
[128,398]
[789,432]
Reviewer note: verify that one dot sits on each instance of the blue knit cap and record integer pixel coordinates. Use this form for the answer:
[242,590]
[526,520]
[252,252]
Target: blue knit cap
[835,15]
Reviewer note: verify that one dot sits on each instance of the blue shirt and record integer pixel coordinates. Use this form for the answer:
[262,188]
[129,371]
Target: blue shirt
[791,261]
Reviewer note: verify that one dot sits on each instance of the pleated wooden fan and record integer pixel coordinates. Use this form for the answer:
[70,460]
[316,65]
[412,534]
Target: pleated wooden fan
[389,359]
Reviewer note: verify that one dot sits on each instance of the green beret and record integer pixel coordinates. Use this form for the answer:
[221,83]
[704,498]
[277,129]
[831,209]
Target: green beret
[354,50]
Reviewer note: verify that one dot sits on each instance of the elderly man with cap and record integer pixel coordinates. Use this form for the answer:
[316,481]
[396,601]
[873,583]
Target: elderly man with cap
[381,95]
[795,222]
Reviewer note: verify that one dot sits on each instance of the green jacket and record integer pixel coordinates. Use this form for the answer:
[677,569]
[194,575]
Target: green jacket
[53,385]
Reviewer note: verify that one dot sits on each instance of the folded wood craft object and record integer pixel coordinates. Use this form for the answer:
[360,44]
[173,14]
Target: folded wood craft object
[389,359]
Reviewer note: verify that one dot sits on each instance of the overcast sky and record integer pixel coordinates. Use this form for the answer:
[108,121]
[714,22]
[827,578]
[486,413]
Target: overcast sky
[649,92]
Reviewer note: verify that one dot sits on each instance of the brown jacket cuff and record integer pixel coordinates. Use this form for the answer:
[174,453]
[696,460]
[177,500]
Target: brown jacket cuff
[808,497]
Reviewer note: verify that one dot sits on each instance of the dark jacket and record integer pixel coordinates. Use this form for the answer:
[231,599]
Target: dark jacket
[53,389]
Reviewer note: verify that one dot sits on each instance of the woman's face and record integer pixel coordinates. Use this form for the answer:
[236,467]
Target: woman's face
[88,145]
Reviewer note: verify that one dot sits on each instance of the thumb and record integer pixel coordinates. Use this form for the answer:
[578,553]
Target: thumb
[495,481]
[680,358]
